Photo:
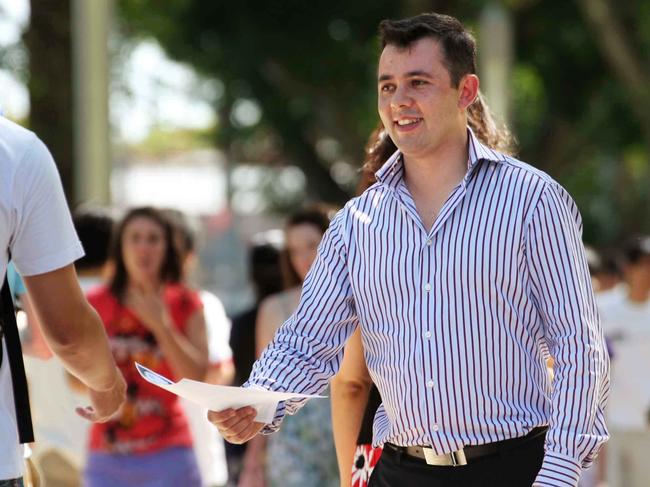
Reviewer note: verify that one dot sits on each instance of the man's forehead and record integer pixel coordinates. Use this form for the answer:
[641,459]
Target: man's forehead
[420,55]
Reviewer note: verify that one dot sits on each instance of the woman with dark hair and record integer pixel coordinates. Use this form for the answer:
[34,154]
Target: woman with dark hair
[150,318]
[302,453]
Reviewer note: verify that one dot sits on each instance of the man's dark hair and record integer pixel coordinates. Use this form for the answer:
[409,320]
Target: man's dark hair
[170,271]
[458,45]
[459,51]
[94,227]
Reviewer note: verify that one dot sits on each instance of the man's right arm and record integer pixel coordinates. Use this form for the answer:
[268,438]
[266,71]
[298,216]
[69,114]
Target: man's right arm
[76,335]
[308,348]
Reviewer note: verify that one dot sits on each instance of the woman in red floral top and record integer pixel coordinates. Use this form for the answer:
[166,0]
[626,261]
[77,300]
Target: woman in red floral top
[150,319]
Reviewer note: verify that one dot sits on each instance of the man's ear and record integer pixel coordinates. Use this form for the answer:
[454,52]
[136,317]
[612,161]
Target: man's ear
[467,90]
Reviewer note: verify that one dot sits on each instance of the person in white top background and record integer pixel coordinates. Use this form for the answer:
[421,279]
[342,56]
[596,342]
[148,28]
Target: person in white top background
[625,318]
[208,444]
[37,231]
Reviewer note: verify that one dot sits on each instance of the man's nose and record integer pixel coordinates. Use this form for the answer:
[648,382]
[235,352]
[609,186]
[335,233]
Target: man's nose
[400,98]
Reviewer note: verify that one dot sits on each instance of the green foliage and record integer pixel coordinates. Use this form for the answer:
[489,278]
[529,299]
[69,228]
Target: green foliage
[310,66]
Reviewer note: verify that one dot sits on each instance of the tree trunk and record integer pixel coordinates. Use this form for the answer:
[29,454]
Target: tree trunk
[49,43]
[617,48]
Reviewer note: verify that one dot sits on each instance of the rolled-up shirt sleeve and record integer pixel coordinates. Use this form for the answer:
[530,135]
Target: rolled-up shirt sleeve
[561,287]
[307,349]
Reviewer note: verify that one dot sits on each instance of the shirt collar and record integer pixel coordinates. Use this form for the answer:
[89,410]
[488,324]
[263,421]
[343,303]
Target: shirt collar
[392,171]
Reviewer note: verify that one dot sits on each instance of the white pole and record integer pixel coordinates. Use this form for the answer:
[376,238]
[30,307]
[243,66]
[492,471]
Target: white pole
[495,47]
[91,23]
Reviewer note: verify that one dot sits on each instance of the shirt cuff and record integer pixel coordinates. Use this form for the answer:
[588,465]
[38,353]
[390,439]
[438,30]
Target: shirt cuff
[274,425]
[558,471]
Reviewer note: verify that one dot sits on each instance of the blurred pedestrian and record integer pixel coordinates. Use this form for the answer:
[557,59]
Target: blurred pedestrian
[266,278]
[626,322]
[38,234]
[303,453]
[153,320]
[208,444]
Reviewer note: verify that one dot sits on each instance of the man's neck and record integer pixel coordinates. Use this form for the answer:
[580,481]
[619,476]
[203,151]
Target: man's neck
[431,178]
[445,166]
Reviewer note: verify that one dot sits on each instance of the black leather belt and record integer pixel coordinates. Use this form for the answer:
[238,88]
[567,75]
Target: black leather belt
[464,455]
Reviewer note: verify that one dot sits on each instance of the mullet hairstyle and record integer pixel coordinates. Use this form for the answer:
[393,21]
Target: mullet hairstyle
[170,271]
[459,51]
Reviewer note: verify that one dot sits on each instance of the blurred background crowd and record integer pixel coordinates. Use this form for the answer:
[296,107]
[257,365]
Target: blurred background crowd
[217,121]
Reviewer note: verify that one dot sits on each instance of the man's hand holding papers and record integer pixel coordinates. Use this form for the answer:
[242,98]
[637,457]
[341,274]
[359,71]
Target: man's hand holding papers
[238,412]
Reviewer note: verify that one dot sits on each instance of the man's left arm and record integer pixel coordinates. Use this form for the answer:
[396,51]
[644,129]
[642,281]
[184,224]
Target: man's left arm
[561,287]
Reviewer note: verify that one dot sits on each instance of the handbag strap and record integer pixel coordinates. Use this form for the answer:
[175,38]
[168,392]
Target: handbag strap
[9,330]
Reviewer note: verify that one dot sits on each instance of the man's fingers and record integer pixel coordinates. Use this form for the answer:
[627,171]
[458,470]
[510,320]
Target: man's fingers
[251,430]
[229,416]
[237,423]
[236,426]
[217,417]
[240,426]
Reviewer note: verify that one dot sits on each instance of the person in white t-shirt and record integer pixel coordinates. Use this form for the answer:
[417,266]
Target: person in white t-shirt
[36,229]
[208,443]
[625,316]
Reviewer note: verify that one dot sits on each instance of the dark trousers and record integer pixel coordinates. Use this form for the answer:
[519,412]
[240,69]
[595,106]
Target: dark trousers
[517,467]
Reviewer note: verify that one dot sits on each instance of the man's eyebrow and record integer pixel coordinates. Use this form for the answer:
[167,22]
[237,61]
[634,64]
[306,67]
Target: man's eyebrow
[410,74]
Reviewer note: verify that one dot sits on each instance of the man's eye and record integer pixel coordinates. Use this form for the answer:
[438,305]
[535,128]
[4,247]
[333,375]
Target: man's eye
[418,82]
[386,88]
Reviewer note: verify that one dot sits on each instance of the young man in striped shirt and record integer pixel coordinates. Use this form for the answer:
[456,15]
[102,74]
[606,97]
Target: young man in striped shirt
[464,269]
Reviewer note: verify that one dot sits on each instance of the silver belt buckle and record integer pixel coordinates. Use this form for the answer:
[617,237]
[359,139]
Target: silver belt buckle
[454,459]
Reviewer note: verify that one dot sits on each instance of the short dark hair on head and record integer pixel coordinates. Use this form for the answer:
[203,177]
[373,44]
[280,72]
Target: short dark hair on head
[170,271]
[636,248]
[94,228]
[458,45]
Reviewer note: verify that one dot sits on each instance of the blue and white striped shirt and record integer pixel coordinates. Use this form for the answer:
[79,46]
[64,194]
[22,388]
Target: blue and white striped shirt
[457,322]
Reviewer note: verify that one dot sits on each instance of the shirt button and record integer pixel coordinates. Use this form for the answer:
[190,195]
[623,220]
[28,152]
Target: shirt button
[430,384]
[427,334]
[435,427]
[427,287]
[429,242]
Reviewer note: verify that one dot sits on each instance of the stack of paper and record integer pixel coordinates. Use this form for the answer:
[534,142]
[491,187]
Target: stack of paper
[218,398]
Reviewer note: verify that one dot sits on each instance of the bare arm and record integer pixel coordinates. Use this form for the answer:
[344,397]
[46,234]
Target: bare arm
[187,353]
[269,319]
[350,389]
[76,335]
[36,346]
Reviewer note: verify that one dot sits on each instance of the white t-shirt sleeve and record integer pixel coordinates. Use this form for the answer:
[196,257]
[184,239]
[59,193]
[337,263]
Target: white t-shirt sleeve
[44,238]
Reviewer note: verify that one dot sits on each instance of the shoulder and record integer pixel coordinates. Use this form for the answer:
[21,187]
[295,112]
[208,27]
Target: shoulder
[18,147]
[22,149]
[527,173]
[278,307]
[535,182]
[271,304]
[16,141]
[360,210]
